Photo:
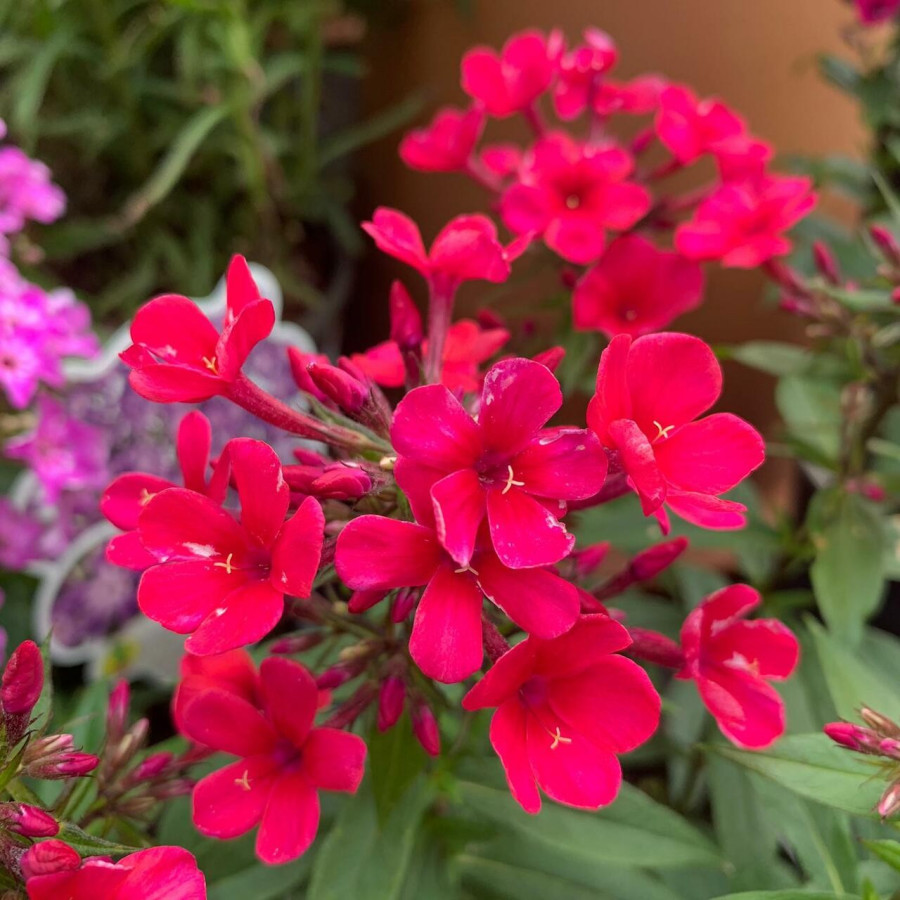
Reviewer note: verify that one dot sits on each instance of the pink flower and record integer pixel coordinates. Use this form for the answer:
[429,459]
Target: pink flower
[53,870]
[193,362]
[732,661]
[742,158]
[510,82]
[505,466]
[466,248]
[649,392]
[127,495]
[565,708]
[872,12]
[689,127]
[468,345]
[283,761]
[742,224]
[447,144]
[580,70]
[635,289]
[636,97]
[378,554]
[220,579]
[572,194]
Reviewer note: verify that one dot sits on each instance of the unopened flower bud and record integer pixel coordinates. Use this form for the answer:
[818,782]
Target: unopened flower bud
[27,820]
[650,562]
[895,296]
[406,323]
[343,389]
[64,765]
[853,737]
[337,675]
[425,728]
[117,710]
[299,361]
[890,747]
[48,857]
[886,243]
[363,600]
[180,787]
[403,604]
[826,263]
[879,722]
[587,559]
[642,140]
[551,358]
[341,482]
[152,767]
[391,697]
[655,648]
[23,679]
[488,318]
[889,804]
[119,755]
[297,643]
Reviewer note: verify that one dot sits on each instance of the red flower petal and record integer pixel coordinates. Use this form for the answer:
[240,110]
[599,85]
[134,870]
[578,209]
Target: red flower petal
[398,236]
[187,343]
[180,595]
[589,642]
[612,400]
[127,551]
[289,697]
[639,461]
[459,510]
[563,463]
[193,446]
[707,511]
[240,288]
[508,738]
[127,495]
[163,383]
[748,711]
[263,492]
[504,677]
[290,821]
[298,550]
[765,647]
[230,801]
[334,760]
[525,533]
[219,719]
[252,324]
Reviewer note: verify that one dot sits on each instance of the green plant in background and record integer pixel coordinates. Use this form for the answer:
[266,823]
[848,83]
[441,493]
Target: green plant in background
[186,130]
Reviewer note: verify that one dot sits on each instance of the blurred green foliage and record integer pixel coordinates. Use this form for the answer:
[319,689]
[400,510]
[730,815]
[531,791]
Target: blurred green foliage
[187,130]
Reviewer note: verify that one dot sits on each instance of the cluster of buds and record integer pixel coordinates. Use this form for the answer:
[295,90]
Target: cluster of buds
[879,738]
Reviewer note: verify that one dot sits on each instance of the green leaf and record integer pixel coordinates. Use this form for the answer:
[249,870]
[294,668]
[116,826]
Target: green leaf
[90,845]
[848,572]
[887,851]
[774,357]
[261,882]
[395,760]
[363,859]
[840,73]
[810,406]
[632,831]
[852,681]
[787,895]
[813,767]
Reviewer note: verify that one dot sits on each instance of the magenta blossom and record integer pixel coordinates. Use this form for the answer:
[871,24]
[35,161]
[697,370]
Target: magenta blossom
[649,392]
[447,144]
[505,466]
[220,579]
[571,194]
[511,81]
[580,71]
[378,554]
[284,761]
[690,127]
[742,224]
[732,661]
[637,97]
[873,12]
[565,709]
[636,289]
[26,192]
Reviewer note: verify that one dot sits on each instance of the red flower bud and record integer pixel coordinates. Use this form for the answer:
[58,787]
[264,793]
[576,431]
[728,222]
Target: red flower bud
[298,361]
[587,559]
[655,648]
[23,679]
[551,358]
[650,562]
[889,804]
[64,765]
[297,643]
[117,710]
[349,393]
[886,242]
[152,767]
[48,857]
[826,263]
[29,821]
[363,600]
[488,319]
[425,728]
[879,722]
[391,697]
[406,323]
[403,604]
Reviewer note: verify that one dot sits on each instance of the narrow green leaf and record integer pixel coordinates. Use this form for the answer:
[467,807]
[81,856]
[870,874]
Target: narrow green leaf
[395,760]
[261,882]
[774,357]
[887,851]
[89,844]
[788,895]
[810,406]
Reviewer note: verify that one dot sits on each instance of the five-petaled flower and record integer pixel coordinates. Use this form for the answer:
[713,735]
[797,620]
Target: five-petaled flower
[564,709]
[284,761]
[571,194]
[505,466]
[689,127]
[379,554]
[220,579]
[179,356]
[446,144]
[649,392]
[732,660]
[53,870]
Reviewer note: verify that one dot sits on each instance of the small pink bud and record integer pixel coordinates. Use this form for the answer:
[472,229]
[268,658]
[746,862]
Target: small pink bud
[391,697]
[48,857]
[655,648]
[879,722]
[349,393]
[890,747]
[425,728]
[406,323]
[296,643]
[299,361]
[650,562]
[826,263]
[551,358]
[363,600]
[23,679]
[64,765]
[587,559]
[117,710]
[152,767]
[403,604]
[341,482]
[29,821]
[337,675]
[853,737]
[889,804]
[796,306]
[487,318]
[642,141]
[886,242]
[895,296]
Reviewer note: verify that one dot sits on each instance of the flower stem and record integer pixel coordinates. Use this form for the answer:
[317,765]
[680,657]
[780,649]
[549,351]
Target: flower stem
[440,313]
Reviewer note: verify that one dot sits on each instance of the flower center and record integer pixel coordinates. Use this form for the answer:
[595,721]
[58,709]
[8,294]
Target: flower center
[573,201]
[661,433]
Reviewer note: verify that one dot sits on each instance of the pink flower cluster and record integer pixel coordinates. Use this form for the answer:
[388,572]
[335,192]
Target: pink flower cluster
[601,202]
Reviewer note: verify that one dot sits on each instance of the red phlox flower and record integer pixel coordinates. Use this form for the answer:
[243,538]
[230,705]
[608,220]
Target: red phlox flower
[742,224]
[375,553]
[510,82]
[636,288]
[178,356]
[467,346]
[502,160]
[637,97]
[580,70]
[466,248]
[284,761]
[127,494]
[53,870]
[564,709]
[732,661]
[447,144]
[649,392]
[873,12]
[572,194]
[689,127]
[220,579]
[299,363]
[506,466]
[742,158]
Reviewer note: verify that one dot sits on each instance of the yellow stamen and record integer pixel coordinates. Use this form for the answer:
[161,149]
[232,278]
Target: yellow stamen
[211,364]
[465,569]
[146,496]
[510,481]
[244,781]
[226,565]
[662,432]
[559,739]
